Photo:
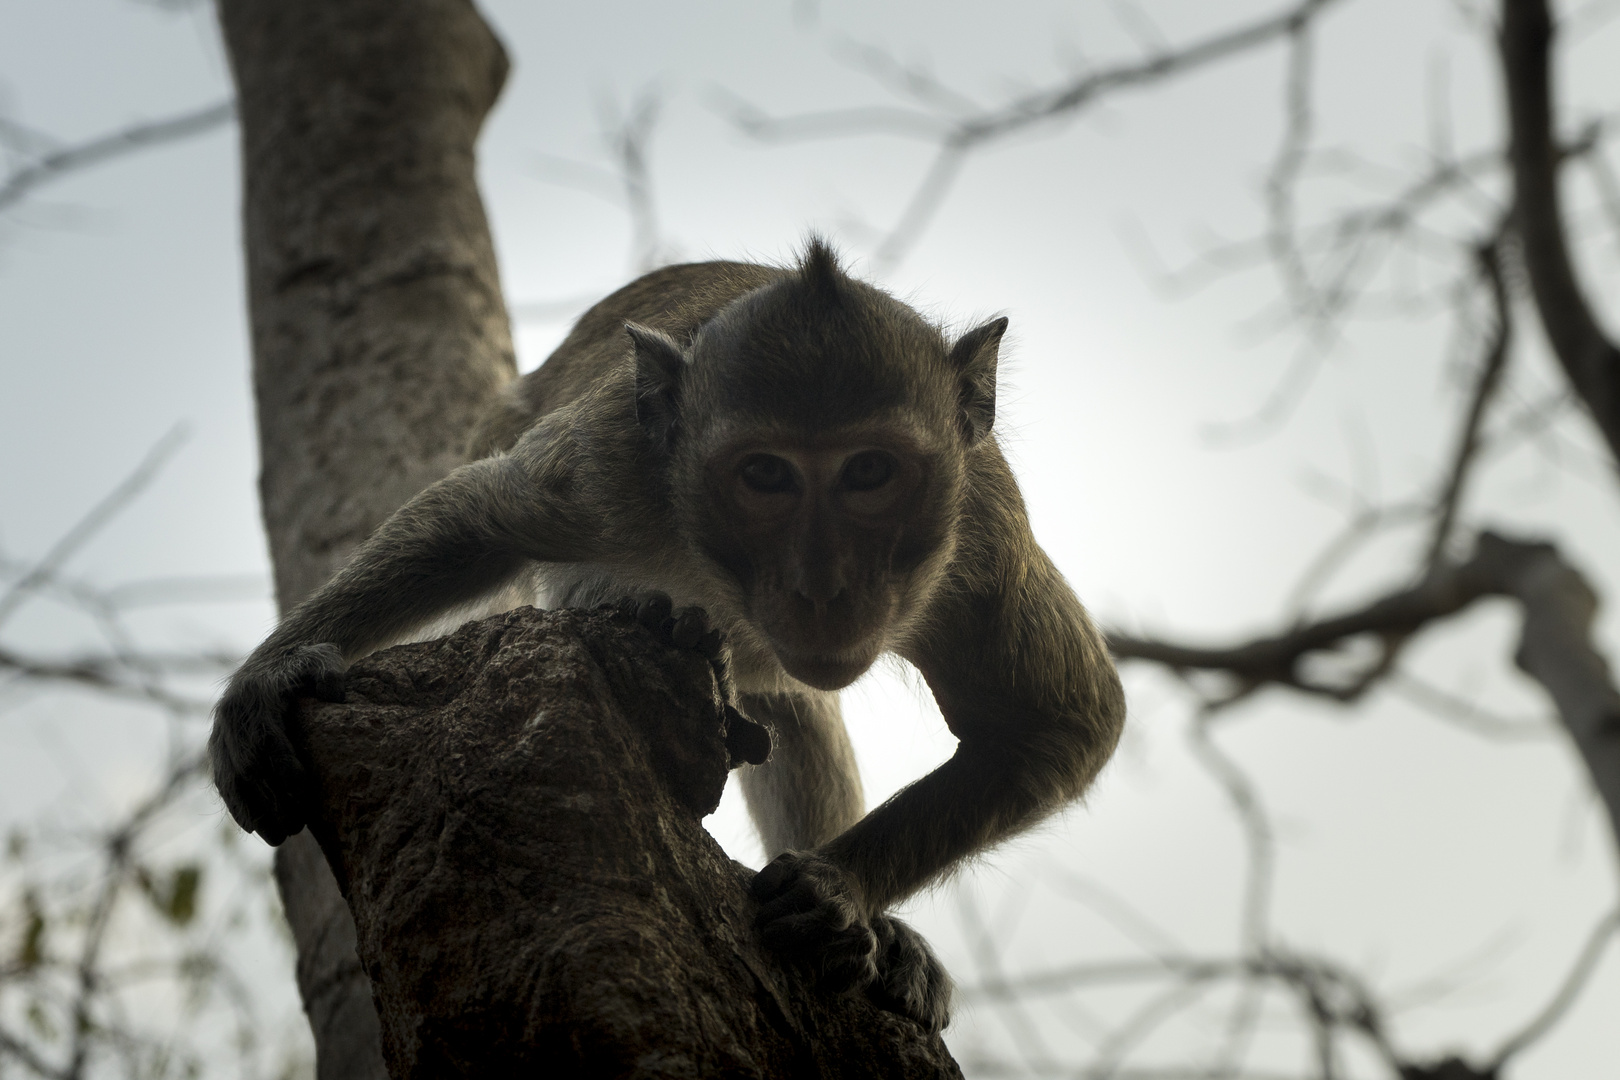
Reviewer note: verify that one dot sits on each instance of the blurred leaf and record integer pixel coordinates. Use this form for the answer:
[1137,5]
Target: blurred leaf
[40,1021]
[176,898]
[182,905]
[32,950]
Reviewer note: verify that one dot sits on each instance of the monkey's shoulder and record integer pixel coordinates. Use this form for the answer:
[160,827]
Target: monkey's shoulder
[676,300]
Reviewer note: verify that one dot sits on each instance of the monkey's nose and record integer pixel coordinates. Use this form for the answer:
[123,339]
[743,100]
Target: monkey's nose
[820,585]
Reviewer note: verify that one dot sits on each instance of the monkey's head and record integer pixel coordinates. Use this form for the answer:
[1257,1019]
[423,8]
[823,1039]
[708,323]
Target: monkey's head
[816,435]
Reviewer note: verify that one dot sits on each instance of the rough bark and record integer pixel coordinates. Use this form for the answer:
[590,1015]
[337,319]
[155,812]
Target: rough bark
[379,330]
[515,812]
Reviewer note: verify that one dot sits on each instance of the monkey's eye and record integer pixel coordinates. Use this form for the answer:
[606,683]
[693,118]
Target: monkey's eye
[767,474]
[868,471]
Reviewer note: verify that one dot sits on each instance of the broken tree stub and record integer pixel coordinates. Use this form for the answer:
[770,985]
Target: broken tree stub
[515,814]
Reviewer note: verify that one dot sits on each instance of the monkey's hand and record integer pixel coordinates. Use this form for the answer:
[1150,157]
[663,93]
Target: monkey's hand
[910,980]
[258,772]
[810,912]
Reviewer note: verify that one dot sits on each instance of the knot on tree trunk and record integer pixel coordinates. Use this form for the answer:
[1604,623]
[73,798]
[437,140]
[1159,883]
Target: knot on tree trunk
[515,815]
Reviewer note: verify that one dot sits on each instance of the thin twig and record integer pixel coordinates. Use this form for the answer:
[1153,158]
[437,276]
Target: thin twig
[956,136]
[59,163]
[1491,367]
[1260,850]
[1567,992]
[987,957]
[92,522]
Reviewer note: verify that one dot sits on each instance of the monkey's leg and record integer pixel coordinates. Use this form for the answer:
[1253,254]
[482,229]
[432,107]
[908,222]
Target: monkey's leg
[810,790]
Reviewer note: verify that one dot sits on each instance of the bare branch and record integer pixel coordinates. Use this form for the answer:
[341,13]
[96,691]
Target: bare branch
[628,184]
[630,140]
[1587,355]
[908,79]
[1282,181]
[59,163]
[1491,367]
[957,136]
[1586,963]
[1463,713]
[92,522]
[109,674]
[987,957]
[1555,646]
[1260,848]
[17,1048]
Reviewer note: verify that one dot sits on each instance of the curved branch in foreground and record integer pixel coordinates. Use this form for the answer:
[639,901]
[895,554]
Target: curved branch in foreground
[515,814]
[1586,353]
[1555,644]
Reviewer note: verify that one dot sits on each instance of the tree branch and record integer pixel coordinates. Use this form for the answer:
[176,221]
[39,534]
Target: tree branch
[956,135]
[1587,355]
[59,163]
[1585,963]
[1492,364]
[1555,646]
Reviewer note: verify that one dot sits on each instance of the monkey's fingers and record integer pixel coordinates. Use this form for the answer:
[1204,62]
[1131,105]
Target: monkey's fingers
[652,609]
[329,689]
[844,959]
[801,898]
[691,624]
[315,671]
[263,784]
[849,960]
[910,979]
[798,883]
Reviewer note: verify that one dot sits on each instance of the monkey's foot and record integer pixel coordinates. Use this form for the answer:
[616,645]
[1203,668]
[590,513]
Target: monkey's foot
[256,768]
[910,979]
[809,914]
[746,741]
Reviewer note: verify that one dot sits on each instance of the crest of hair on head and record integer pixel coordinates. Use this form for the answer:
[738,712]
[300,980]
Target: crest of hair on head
[819,269]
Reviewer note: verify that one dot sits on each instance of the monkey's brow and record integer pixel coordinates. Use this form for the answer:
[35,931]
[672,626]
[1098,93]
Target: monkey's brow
[901,430]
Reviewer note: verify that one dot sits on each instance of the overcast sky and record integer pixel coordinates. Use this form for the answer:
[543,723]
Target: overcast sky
[1407,848]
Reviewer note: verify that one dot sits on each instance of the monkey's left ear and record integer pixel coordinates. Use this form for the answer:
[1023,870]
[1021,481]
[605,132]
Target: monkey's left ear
[974,356]
[659,368]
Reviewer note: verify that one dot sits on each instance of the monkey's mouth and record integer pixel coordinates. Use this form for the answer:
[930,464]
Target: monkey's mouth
[826,671]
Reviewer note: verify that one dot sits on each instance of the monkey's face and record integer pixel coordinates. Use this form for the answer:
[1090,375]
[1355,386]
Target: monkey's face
[833,537]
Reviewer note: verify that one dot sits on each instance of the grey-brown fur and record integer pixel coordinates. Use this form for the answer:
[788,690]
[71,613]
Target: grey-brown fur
[650,460]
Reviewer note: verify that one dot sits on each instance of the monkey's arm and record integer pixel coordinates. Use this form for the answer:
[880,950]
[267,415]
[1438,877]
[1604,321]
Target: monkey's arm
[458,540]
[1026,684]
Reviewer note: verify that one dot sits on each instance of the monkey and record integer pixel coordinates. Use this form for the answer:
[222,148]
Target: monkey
[800,461]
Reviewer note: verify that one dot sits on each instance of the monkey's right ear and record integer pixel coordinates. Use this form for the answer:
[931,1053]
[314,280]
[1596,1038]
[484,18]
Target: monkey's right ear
[974,356]
[659,368]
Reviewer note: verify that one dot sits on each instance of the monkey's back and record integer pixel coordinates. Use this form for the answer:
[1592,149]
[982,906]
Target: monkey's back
[674,299]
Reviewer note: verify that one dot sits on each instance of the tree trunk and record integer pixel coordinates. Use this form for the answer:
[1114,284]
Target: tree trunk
[515,812]
[379,330]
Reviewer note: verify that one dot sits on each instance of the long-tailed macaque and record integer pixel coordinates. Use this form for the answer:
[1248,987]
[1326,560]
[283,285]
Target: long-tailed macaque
[810,462]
